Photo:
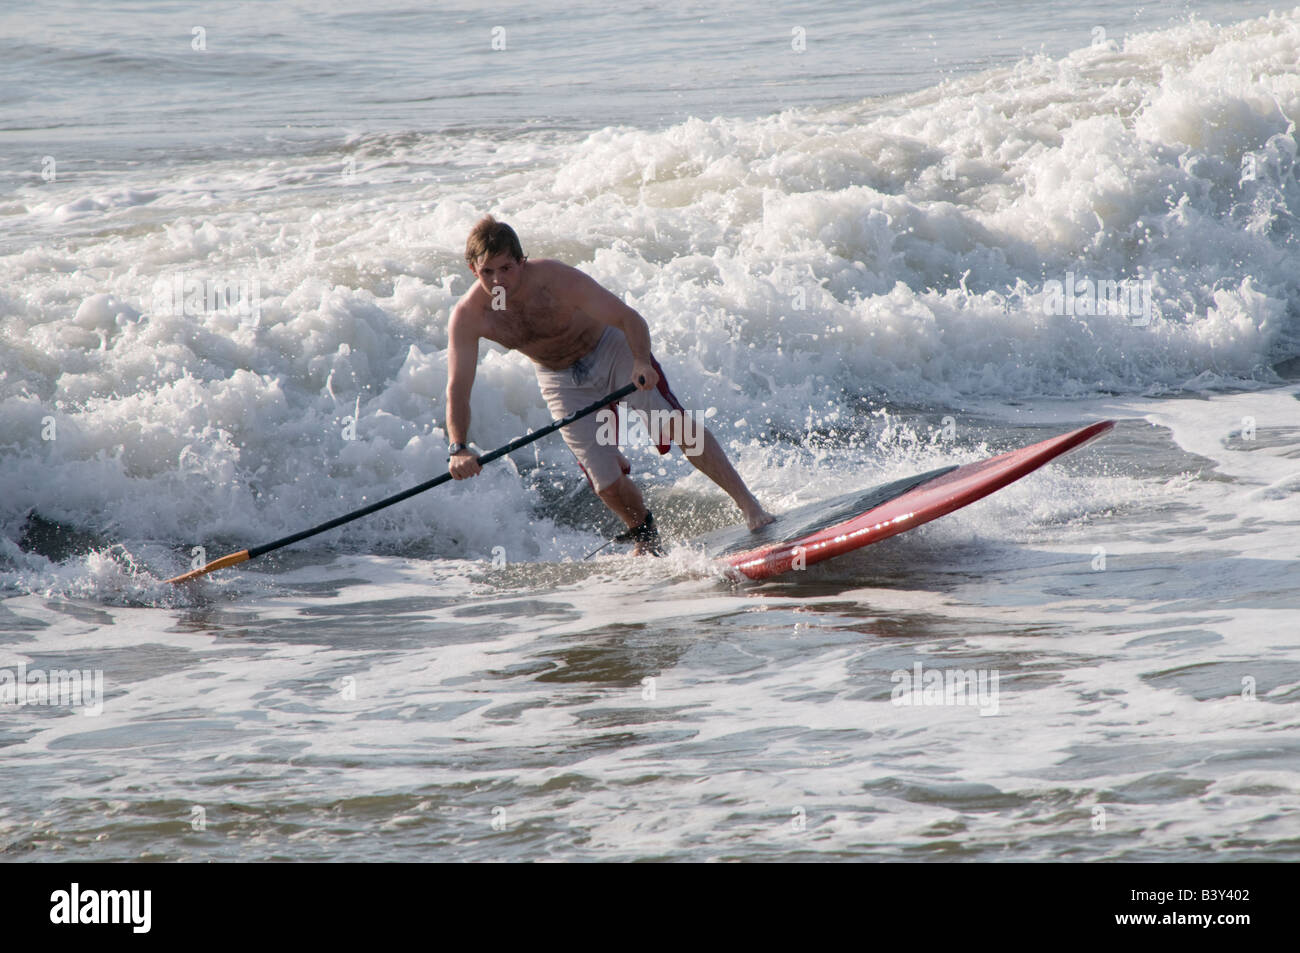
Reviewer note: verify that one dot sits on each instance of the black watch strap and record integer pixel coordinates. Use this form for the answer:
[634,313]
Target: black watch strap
[456,448]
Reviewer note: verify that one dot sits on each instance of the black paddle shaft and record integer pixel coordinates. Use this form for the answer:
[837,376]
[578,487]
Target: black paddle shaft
[512,446]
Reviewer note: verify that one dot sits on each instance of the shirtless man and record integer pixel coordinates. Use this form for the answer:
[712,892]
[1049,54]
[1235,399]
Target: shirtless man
[586,343]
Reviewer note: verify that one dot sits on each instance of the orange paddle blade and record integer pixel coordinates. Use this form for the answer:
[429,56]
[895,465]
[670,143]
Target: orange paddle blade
[231,560]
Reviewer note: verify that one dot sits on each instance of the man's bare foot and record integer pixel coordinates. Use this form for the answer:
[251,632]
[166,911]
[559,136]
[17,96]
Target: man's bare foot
[757,518]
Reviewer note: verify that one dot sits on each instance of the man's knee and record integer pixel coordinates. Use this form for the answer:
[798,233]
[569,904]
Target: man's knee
[624,497]
[621,489]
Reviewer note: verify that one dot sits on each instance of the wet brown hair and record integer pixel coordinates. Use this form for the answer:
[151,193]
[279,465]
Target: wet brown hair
[488,238]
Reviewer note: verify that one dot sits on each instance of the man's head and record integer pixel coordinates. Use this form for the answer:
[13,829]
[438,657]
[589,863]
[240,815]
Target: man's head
[494,254]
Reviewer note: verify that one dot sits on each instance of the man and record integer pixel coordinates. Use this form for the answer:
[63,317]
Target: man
[586,343]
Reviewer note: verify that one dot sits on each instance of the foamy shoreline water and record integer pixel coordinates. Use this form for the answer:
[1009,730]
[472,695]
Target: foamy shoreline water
[207,348]
[782,261]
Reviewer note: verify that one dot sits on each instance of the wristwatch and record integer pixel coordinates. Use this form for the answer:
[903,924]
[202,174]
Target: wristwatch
[456,448]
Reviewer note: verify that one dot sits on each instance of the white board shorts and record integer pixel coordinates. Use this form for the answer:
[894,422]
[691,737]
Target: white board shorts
[607,368]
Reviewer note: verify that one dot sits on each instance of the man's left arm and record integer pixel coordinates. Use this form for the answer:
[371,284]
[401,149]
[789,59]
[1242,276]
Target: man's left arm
[607,308]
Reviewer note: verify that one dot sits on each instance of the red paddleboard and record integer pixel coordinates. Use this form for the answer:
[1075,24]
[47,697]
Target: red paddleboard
[833,527]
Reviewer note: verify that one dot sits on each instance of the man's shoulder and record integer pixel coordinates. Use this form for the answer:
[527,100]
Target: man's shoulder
[549,265]
[556,276]
[466,319]
[552,269]
[470,306]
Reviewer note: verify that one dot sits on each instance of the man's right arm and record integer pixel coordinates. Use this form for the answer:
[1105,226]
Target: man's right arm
[462,362]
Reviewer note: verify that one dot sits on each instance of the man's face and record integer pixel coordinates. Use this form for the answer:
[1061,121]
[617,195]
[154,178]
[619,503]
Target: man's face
[500,271]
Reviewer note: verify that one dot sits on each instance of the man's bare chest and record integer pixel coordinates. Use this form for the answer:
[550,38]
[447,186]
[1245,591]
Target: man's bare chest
[519,324]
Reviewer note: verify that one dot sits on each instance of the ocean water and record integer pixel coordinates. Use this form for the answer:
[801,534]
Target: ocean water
[848,231]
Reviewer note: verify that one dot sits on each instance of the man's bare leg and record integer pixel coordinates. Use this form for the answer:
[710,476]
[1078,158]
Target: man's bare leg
[713,463]
[624,498]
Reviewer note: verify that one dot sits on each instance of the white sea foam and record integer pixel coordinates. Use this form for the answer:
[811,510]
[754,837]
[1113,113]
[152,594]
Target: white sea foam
[895,249]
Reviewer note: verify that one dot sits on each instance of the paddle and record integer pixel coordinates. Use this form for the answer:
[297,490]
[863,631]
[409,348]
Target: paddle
[244,555]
